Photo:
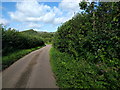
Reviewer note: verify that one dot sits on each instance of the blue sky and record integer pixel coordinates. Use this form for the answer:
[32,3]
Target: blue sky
[40,16]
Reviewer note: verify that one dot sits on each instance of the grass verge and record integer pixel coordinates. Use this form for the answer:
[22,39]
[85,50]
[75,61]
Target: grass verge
[14,56]
[71,73]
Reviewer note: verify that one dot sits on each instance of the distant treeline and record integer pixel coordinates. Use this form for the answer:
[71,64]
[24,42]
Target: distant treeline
[93,39]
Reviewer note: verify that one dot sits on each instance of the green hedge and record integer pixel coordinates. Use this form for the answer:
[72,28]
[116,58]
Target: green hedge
[96,42]
[12,40]
[71,73]
[93,36]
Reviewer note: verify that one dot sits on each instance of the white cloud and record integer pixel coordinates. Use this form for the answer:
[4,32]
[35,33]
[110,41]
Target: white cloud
[27,26]
[34,13]
[32,8]
[70,5]
[57,11]
[4,21]
[33,25]
[48,17]
[29,11]
[41,30]
[60,20]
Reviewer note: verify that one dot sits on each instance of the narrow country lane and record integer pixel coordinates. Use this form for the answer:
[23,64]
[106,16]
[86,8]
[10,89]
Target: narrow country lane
[31,71]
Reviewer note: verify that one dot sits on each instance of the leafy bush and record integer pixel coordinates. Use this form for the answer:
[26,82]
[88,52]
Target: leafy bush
[93,37]
[71,73]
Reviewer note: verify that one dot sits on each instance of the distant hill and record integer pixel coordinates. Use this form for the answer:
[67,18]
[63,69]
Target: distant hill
[47,36]
[31,31]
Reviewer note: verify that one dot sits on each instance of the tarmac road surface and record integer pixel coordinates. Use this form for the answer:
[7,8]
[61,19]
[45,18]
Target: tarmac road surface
[31,71]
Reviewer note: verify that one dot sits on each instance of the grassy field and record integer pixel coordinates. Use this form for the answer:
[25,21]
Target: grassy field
[71,73]
[12,57]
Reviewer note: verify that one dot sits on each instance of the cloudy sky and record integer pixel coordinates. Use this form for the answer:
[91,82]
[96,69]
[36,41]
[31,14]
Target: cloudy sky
[41,16]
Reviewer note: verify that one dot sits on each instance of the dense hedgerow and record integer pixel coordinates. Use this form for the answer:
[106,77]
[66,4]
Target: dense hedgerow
[72,73]
[13,40]
[94,36]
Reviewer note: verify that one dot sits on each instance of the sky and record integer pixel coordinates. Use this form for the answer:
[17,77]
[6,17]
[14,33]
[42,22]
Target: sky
[40,16]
